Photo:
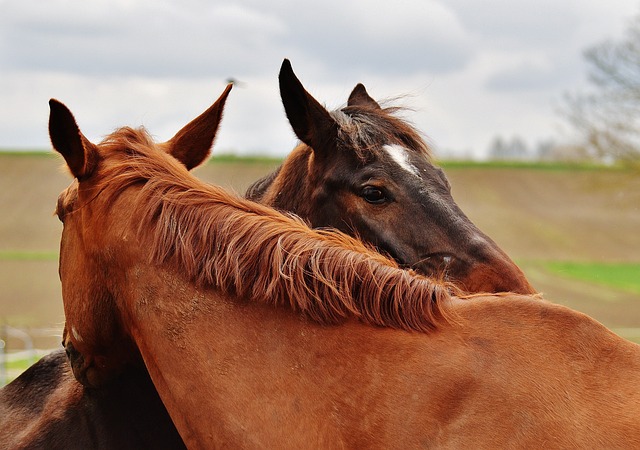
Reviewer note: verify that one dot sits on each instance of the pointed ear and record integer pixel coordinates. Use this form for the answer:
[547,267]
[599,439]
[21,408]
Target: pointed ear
[360,97]
[192,144]
[66,138]
[311,122]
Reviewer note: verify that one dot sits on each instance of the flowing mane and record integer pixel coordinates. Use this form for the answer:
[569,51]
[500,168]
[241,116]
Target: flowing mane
[246,249]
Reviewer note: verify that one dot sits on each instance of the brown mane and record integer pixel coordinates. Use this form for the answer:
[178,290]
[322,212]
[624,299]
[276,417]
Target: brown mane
[217,239]
[364,129]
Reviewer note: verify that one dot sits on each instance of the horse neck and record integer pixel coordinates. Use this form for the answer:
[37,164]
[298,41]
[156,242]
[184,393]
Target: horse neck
[213,359]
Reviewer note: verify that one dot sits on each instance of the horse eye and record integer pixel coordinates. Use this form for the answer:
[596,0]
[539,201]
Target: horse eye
[373,195]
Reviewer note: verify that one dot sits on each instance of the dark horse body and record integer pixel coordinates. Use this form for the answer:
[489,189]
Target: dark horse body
[45,408]
[427,243]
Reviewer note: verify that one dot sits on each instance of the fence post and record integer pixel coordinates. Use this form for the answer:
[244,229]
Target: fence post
[3,354]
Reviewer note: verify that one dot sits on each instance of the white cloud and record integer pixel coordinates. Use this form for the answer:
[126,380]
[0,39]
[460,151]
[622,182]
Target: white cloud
[138,38]
[382,37]
[472,69]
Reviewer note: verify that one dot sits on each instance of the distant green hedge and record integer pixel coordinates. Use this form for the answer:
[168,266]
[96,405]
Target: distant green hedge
[216,158]
[30,152]
[453,164]
[536,165]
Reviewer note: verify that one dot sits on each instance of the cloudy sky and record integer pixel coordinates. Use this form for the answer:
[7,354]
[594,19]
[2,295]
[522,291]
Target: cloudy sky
[468,69]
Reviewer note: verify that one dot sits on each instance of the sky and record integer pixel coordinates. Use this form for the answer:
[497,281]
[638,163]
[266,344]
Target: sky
[466,70]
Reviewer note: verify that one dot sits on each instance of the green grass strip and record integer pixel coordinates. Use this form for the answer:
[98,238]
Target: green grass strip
[625,276]
[447,164]
[23,255]
[244,159]
[535,165]
[39,153]
[21,364]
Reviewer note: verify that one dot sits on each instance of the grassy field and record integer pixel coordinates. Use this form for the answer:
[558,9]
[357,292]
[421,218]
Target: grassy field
[19,255]
[573,230]
[621,276]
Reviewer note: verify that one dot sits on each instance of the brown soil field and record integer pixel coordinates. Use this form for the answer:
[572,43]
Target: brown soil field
[534,214]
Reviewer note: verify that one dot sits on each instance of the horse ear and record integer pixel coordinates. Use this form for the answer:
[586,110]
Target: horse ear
[192,144]
[311,122]
[66,138]
[360,97]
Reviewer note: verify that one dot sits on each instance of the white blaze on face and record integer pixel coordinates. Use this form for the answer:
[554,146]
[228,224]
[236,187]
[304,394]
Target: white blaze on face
[400,155]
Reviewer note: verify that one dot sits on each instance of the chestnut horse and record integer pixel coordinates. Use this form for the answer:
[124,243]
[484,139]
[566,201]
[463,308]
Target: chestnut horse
[365,171]
[194,148]
[46,408]
[259,332]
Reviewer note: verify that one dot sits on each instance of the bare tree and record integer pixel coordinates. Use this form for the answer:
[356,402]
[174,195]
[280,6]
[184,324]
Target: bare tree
[514,150]
[608,117]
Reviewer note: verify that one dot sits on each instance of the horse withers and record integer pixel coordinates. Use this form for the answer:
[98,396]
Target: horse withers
[259,332]
[365,171]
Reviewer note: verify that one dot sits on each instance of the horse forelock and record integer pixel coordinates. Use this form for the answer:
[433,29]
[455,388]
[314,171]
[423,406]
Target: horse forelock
[127,140]
[253,252]
[366,130]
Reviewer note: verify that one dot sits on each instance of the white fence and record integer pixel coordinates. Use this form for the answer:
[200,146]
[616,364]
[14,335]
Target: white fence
[19,349]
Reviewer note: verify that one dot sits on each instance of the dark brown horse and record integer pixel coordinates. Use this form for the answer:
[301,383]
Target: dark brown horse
[259,332]
[46,408]
[364,171]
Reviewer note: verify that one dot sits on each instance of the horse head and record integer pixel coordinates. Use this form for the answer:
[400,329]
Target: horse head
[365,171]
[93,336]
